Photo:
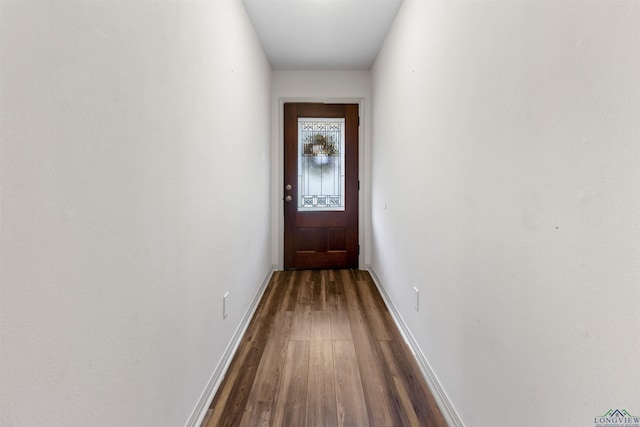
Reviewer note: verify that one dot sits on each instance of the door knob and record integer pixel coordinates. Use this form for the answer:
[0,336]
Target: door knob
[288,187]
[287,199]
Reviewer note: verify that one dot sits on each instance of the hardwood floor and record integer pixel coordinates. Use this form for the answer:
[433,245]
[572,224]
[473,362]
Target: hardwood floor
[322,350]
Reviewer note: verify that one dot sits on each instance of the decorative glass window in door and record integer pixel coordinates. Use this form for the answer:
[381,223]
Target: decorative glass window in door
[320,164]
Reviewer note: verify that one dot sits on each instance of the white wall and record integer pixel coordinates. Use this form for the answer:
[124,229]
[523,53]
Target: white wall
[506,187]
[352,87]
[135,192]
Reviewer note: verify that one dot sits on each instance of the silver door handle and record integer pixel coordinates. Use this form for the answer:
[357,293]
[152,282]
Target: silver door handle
[287,199]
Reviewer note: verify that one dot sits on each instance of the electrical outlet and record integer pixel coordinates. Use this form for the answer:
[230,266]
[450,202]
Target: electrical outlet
[224,305]
[417,306]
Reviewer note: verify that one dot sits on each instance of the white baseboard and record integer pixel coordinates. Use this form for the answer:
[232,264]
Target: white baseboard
[445,405]
[200,411]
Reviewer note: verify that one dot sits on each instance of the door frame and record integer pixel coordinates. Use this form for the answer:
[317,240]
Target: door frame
[278,178]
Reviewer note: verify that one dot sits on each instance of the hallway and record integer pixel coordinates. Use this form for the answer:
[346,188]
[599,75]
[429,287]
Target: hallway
[322,350]
[142,194]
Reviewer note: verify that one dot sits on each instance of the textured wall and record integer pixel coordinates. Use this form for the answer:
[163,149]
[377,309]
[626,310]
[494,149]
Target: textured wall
[506,187]
[135,192]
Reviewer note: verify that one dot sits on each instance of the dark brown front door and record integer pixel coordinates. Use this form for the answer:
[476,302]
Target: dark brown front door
[321,186]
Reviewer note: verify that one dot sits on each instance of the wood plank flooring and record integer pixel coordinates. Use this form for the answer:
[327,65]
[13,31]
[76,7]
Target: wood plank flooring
[322,350]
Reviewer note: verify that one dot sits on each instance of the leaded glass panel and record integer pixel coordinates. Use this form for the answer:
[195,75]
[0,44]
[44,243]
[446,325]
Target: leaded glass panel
[321,164]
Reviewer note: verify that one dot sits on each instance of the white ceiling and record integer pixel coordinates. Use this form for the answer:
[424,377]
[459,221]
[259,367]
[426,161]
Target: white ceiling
[321,34]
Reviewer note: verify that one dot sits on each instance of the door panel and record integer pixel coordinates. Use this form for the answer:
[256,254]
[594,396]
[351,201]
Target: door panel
[321,186]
